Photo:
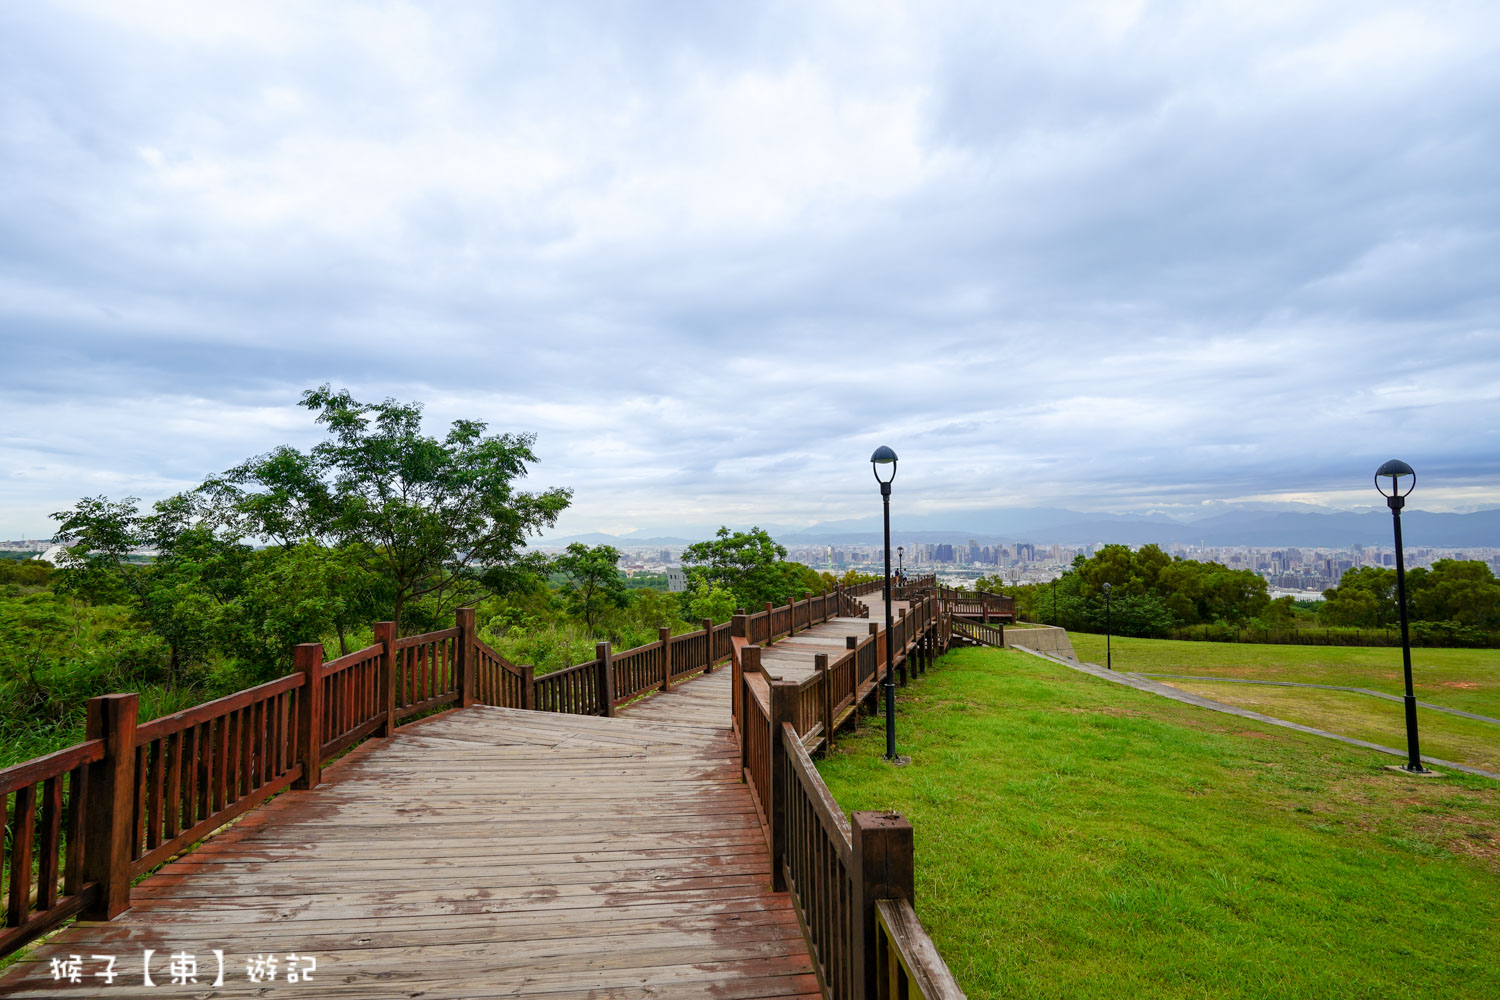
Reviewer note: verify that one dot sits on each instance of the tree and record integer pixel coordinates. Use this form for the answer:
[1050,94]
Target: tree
[713,601]
[427,515]
[1459,590]
[1365,596]
[593,581]
[748,564]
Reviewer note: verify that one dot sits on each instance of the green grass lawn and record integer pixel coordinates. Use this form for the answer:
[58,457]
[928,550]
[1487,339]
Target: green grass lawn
[1447,737]
[1467,679]
[1077,838]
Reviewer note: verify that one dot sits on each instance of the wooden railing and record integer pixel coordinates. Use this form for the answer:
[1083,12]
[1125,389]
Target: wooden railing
[196,770]
[426,671]
[497,681]
[47,883]
[353,706]
[851,881]
[988,635]
[907,964]
[981,604]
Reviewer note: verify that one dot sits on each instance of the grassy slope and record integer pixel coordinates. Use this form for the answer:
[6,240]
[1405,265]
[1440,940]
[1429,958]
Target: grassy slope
[1467,679]
[1081,839]
[1444,736]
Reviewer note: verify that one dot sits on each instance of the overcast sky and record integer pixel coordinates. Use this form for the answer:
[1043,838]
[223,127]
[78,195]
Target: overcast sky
[1107,256]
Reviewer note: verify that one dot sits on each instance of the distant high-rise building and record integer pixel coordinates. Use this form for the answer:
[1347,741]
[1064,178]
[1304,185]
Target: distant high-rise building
[944,553]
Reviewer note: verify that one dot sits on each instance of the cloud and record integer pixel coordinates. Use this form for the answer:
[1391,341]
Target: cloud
[1099,255]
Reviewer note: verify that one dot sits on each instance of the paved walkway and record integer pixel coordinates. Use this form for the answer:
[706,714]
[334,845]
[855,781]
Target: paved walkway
[487,852]
[1177,694]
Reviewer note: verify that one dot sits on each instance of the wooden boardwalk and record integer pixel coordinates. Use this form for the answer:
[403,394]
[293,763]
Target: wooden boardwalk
[484,852]
[791,659]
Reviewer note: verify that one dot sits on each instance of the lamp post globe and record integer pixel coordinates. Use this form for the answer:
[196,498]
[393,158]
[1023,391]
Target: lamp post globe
[1402,480]
[1109,663]
[884,460]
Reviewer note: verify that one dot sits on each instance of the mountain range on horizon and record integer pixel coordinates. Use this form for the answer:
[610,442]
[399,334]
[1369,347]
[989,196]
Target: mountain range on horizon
[1298,525]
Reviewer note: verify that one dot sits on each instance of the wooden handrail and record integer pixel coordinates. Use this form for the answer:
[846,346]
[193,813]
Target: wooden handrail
[907,962]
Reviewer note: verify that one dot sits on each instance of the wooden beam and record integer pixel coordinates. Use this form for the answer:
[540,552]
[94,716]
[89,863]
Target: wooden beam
[110,799]
[307,660]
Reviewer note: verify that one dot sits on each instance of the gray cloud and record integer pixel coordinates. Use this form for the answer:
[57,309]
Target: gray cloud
[1103,256]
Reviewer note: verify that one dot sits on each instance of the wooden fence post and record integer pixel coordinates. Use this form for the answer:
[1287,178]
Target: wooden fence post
[708,645]
[664,636]
[385,634]
[783,710]
[463,619]
[851,643]
[739,625]
[606,680]
[111,795]
[820,664]
[528,686]
[883,869]
[902,626]
[747,663]
[770,623]
[307,660]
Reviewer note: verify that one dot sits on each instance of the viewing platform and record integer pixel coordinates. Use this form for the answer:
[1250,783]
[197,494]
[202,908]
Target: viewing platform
[631,842]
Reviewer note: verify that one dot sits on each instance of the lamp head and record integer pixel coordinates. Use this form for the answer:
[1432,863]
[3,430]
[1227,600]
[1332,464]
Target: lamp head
[1106,588]
[1396,470]
[883,456]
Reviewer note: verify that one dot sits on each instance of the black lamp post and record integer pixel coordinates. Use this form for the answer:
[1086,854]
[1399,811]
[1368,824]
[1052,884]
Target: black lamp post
[1398,470]
[900,559]
[885,456]
[1109,663]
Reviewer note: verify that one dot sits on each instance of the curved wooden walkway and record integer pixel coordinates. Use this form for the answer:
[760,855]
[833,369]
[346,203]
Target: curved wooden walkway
[485,852]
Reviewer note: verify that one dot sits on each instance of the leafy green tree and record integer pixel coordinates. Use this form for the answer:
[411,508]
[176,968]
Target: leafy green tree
[1458,590]
[1365,596]
[594,584]
[714,601]
[656,609]
[428,515]
[25,572]
[747,563]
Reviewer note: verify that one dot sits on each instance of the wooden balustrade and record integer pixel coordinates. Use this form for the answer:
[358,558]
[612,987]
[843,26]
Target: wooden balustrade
[988,635]
[44,801]
[851,881]
[352,703]
[497,681]
[637,671]
[573,690]
[755,743]
[196,770]
[426,672]
[907,964]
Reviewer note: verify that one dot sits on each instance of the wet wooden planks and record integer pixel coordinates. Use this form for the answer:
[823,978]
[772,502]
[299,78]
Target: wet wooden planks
[482,853]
